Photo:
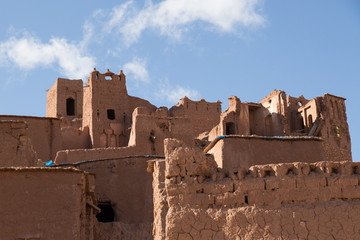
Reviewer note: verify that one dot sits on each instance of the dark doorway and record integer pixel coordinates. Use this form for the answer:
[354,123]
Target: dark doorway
[230,128]
[106,214]
[300,122]
[70,107]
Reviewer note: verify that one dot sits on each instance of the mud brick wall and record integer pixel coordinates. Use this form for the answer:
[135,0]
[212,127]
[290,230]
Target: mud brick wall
[46,203]
[43,133]
[290,201]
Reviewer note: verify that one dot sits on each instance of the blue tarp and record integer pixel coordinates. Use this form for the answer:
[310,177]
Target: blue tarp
[49,163]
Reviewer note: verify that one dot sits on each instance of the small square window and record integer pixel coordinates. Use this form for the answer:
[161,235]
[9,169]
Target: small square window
[111,114]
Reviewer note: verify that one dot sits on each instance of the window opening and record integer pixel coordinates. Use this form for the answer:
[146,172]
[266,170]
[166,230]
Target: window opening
[310,121]
[70,107]
[111,114]
[152,136]
[108,78]
[230,128]
[300,124]
[106,214]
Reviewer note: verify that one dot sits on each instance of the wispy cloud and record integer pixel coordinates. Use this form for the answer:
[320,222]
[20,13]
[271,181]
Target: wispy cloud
[137,69]
[173,17]
[117,15]
[173,94]
[28,52]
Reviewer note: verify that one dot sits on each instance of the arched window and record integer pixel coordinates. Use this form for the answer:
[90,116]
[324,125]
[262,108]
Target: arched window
[70,107]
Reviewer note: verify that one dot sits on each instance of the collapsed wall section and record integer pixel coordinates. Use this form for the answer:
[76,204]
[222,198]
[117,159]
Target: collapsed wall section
[289,200]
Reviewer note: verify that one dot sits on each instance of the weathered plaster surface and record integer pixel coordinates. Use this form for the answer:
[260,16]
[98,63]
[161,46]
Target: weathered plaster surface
[276,201]
[44,203]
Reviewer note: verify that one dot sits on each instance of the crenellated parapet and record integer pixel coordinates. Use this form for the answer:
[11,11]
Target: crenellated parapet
[203,201]
[192,178]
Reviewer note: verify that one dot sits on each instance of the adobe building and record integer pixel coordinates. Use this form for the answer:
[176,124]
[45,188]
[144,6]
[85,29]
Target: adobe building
[267,158]
[47,203]
[195,199]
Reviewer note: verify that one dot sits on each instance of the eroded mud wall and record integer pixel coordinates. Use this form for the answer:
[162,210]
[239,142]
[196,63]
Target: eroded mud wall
[290,201]
[44,134]
[16,148]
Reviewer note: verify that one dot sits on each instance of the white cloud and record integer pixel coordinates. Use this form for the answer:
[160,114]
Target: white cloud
[137,68]
[117,15]
[88,35]
[174,93]
[172,17]
[29,53]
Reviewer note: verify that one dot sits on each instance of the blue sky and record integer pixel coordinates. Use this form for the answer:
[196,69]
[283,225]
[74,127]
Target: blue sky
[209,49]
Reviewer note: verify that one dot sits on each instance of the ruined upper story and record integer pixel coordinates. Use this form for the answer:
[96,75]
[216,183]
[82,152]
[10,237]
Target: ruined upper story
[101,114]
[103,130]
[280,115]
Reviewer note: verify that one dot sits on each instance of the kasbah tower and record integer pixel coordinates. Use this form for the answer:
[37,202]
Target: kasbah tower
[106,165]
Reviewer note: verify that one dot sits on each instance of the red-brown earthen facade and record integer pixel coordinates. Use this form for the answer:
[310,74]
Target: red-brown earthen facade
[194,199]
[106,165]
